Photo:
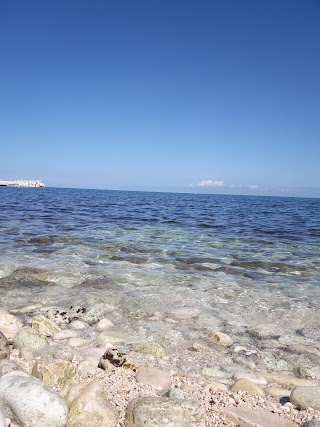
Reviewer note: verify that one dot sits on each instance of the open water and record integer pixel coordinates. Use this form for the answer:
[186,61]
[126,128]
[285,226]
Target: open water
[227,263]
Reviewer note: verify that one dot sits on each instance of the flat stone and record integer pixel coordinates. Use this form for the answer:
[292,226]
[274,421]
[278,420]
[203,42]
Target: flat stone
[9,325]
[215,373]
[89,407]
[248,386]
[32,403]
[245,417]
[108,337]
[154,377]
[164,412]
[277,392]
[53,372]
[306,397]
[220,338]
[287,380]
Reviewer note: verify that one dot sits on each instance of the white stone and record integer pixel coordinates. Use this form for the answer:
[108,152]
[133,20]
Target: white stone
[33,404]
[9,325]
[78,325]
[104,325]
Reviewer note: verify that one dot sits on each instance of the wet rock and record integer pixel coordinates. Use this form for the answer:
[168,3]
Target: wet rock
[59,316]
[201,348]
[65,334]
[248,386]
[114,358]
[154,377]
[53,372]
[4,347]
[78,325]
[277,392]
[104,325]
[9,325]
[243,350]
[44,326]
[58,351]
[88,407]
[33,404]
[306,397]
[162,412]
[309,372]
[29,340]
[264,332]
[274,363]
[287,380]
[220,338]
[97,312]
[256,418]
[150,348]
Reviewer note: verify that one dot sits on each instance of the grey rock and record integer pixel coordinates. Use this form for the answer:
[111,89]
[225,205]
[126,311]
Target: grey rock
[154,377]
[306,397]
[312,423]
[96,313]
[9,325]
[4,347]
[164,412]
[28,339]
[58,351]
[33,404]
[264,332]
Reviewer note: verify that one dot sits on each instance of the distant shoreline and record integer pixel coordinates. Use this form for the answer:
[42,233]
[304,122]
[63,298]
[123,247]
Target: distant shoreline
[23,183]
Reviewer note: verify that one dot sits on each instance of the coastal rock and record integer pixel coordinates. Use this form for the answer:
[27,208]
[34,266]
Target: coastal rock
[256,379]
[76,311]
[248,386]
[9,325]
[274,363]
[186,313]
[44,326]
[115,358]
[88,407]
[306,397]
[59,316]
[215,386]
[104,325]
[263,332]
[220,338]
[97,312]
[176,393]
[4,347]
[287,380]
[7,366]
[150,348]
[256,418]
[154,377]
[58,351]
[277,392]
[215,373]
[309,372]
[65,334]
[78,325]
[54,373]
[29,340]
[33,404]
[79,342]
[4,422]
[164,412]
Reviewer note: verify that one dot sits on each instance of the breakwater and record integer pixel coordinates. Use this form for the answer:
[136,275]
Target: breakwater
[23,183]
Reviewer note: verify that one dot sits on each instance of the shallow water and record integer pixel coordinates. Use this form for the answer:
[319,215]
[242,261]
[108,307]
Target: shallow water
[237,261]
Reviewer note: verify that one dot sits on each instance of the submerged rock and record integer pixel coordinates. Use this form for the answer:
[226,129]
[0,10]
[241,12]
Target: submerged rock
[150,348]
[220,338]
[88,407]
[4,347]
[163,412]
[287,380]
[306,397]
[33,404]
[54,373]
[264,332]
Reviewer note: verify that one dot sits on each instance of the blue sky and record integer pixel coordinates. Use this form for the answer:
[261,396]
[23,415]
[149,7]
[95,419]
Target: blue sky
[202,96]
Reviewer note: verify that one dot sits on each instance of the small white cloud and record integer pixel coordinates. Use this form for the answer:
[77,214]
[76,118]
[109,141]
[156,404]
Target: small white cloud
[253,187]
[210,183]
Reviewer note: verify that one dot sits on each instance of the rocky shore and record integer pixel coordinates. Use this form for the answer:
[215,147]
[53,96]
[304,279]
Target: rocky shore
[23,183]
[70,366]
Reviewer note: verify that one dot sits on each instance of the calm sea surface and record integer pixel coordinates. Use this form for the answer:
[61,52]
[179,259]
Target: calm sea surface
[239,261]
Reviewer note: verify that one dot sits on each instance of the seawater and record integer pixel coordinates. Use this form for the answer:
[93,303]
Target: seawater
[233,262]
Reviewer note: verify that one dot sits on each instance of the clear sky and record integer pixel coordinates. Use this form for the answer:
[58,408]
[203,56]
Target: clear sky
[177,95]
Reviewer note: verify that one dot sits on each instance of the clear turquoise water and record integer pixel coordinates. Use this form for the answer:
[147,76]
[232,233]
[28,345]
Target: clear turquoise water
[238,260]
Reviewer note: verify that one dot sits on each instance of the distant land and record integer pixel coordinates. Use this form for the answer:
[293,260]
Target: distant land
[23,183]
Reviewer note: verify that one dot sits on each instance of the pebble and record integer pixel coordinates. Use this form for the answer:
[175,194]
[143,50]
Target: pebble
[79,342]
[287,380]
[4,347]
[28,339]
[104,325]
[247,417]
[97,312]
[78,325]
[222,339]
[7,366]
[186,313]
[33,404]
[54,373]
[253,378]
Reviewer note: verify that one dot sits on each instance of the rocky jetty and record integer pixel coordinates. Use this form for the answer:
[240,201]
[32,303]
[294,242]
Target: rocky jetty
[23,183]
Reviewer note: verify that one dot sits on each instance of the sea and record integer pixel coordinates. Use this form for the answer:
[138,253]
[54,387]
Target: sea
[176,267]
